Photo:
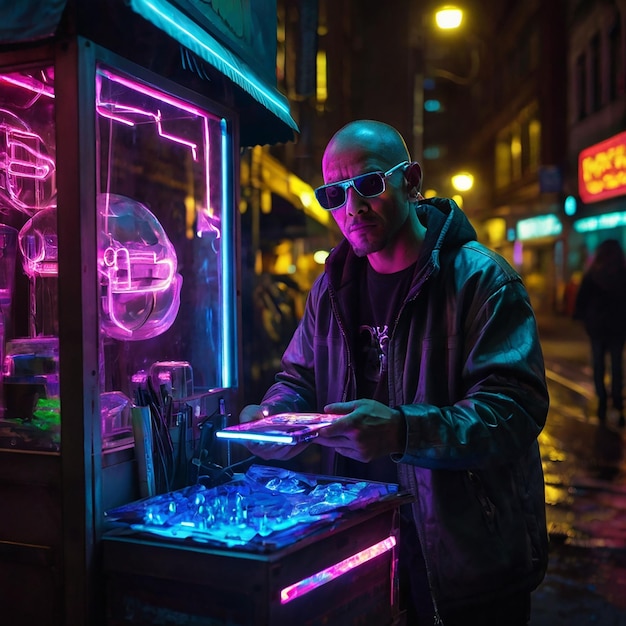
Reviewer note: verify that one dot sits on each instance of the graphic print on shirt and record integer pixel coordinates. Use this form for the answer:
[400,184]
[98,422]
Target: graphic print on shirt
[374,341]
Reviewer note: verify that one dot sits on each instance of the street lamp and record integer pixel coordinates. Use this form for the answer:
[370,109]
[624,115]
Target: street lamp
[429,55]
[450,18]
[463,181]
[447,17]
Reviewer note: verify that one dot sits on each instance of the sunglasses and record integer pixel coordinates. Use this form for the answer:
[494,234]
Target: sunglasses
[334,195]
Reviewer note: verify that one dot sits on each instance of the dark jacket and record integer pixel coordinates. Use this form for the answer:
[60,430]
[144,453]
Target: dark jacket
[601,304]
[467,372]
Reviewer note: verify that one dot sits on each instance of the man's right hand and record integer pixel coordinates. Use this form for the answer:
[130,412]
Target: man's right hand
[251,413]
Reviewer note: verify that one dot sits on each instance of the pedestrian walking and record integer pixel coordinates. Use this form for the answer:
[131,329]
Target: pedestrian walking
[425,342]
[601,307]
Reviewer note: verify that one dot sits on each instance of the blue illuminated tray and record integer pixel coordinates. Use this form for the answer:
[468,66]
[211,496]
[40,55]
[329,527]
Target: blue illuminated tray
[266,509]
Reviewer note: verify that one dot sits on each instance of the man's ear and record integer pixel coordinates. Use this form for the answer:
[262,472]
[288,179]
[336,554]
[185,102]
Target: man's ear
[413,175]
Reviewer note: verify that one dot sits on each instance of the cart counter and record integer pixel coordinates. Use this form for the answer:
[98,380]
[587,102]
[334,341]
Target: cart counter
[268,548]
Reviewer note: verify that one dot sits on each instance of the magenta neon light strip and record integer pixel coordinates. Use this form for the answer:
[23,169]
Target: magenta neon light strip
[163,97]
[153,93]
[30,83]
[305,585]
[113,111]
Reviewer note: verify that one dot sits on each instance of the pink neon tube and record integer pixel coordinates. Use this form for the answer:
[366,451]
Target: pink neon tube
[306,585]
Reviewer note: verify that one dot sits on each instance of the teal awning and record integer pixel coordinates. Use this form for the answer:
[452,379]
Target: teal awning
[29,20]
[187,32]
[243,55]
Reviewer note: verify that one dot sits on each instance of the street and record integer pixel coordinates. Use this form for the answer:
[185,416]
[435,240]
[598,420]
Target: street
[585,473]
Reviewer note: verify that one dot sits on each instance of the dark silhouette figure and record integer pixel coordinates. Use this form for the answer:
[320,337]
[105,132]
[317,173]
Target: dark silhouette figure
[601,306]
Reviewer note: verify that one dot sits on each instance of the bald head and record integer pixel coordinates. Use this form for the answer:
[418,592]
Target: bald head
[371,137]
[379,221]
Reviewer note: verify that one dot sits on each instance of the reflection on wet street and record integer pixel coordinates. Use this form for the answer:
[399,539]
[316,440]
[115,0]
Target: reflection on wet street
[582,587]
[585,475]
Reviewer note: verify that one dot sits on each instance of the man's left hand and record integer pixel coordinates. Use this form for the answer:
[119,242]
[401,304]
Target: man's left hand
[368,430]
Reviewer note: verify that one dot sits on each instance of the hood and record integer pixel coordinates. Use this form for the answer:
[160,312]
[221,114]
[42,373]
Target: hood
[447,227]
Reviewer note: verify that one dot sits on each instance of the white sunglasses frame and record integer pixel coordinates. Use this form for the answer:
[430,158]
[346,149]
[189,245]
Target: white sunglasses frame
[349,182]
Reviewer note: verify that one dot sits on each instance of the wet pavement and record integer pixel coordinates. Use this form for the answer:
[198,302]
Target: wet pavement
[585,473]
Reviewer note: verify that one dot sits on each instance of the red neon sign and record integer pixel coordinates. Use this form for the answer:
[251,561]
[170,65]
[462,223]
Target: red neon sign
[602,170]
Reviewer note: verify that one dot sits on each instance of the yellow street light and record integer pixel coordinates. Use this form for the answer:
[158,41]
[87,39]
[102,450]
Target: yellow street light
[463,181]
[448,17]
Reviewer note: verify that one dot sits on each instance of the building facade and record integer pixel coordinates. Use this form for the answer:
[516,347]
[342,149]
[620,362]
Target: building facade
[514,97]
[595,185]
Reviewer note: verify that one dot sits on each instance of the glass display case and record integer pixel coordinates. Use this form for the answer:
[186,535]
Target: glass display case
[165,278]
[165,263]
[120,128]
[118,304]
[29,386]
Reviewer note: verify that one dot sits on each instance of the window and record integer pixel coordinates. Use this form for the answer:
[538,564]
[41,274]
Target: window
[29,344]
[164,252]
[518,148]
[503,163]
[580,85]
[534,143]
[516,153]
[616,67]
[595,69]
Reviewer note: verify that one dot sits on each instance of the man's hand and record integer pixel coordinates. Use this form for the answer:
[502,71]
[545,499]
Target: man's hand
[367,431]
[267,451]
[251,413]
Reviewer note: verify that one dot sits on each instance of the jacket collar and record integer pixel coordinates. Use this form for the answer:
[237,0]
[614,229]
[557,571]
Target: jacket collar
[447,227]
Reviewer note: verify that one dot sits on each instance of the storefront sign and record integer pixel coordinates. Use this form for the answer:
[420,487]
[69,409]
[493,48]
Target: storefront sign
[607,221]
[602,170]
[539,226]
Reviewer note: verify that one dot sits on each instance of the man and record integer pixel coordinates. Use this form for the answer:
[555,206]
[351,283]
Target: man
[426,342]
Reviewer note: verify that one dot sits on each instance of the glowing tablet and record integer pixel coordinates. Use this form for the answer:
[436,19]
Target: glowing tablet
[283,428]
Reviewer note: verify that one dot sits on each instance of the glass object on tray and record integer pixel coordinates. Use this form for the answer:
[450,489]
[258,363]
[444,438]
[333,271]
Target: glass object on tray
[266,509]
